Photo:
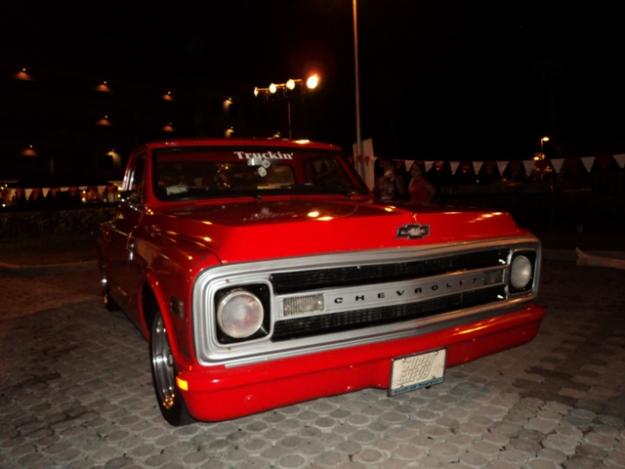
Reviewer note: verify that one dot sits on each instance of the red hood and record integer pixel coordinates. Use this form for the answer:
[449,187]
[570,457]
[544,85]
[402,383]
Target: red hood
[267,229]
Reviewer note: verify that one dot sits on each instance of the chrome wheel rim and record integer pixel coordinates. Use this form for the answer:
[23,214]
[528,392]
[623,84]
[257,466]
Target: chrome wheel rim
[162,364]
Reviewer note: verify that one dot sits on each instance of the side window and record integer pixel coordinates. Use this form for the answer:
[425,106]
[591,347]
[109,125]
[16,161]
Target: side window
[326,173]
[136,181]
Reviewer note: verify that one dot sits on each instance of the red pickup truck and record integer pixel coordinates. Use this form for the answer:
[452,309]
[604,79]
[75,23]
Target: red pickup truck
[263,273]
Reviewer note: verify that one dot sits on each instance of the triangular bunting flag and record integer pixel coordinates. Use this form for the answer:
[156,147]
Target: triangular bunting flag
[27,193]
[557,163]
[529,166]
[588,161]
[620,160]
[477,165]
[501,166]
[408,164]
[428,165]
[45,191]
[454,166]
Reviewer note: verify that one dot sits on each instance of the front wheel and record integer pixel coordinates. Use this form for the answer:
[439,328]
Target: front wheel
[164,375]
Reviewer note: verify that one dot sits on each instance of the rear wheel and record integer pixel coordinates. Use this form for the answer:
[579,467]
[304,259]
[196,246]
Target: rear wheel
[164,375]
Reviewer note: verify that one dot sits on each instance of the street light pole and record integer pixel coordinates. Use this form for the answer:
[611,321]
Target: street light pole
[542,147]
[288,116]
[359,148]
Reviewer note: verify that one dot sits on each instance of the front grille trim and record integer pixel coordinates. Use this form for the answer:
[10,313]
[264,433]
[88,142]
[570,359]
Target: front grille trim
[357,275]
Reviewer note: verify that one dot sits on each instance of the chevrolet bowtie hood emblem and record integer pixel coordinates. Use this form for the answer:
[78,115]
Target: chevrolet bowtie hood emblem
[415,231]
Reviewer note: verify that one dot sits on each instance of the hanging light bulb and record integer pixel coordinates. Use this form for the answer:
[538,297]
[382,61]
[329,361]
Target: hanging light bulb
[103,87]
[29,151]
[23,75]
[104,121]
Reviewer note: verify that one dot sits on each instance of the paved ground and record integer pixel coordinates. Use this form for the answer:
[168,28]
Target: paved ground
[51,249]
[75,391]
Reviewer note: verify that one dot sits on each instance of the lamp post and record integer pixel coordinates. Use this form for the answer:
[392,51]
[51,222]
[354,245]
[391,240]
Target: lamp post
[542,146]
[359,148]
[311,83]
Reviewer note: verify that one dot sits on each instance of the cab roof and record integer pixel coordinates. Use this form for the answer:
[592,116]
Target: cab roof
[240,142]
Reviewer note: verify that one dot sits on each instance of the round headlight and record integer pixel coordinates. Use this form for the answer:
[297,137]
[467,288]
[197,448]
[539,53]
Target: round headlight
[520,272]
[240,314]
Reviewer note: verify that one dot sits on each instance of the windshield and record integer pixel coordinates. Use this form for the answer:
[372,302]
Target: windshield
[181,173]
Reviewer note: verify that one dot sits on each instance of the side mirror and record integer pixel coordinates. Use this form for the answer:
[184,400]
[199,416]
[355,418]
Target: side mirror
[131,199]
[126,196]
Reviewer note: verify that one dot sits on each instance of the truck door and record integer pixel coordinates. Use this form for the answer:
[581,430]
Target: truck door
[125,265]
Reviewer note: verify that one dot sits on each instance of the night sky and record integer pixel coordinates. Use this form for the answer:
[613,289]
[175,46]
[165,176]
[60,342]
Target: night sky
[439,80]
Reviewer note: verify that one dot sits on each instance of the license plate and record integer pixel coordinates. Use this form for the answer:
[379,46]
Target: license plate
[417,371]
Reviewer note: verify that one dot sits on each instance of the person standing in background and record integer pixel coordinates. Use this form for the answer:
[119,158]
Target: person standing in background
[419,188]
[389,186]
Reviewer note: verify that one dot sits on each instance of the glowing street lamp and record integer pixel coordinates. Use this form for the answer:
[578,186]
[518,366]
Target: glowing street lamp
[542,146]
[115,158]
[312,82]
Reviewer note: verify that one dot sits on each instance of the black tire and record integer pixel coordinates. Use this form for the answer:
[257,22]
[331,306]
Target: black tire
[168,396]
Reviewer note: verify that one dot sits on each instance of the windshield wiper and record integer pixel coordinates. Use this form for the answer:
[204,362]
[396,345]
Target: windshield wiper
[310,189]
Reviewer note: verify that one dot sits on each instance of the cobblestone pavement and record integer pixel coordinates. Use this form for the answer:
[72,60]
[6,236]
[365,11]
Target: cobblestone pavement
[75,391]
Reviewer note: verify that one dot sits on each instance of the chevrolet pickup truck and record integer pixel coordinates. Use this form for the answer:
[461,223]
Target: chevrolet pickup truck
[263,273]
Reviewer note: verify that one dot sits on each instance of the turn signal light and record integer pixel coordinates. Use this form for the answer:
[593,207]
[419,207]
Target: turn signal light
[182,384]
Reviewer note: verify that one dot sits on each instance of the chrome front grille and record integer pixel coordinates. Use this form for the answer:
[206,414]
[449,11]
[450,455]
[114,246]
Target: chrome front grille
[291,282]
[368,317]
[360,297]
